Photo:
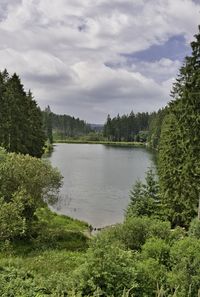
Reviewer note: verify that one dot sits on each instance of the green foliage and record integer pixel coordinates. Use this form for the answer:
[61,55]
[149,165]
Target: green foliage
[20,118]
[93,136]
[184,277]
[134,232]
[194,230]
[48,148]
[155,124]
[133,127]
[107,268]
[163,262]
[65,126]
[176,234]
[12,221]
[170,167]
[43,274]
[16,282]
[26,183]
[179,150]
[47,124]
[59,232]
[42,266]
[157,249]
[55,221]
[151,278]
[145,200]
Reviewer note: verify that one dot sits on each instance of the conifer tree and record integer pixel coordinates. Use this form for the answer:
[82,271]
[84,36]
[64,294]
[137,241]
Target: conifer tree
[179,155]
[21,127]
[47,122]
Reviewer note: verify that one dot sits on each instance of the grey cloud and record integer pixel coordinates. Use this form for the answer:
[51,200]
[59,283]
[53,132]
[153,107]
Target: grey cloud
[47,79]
[61,49]
[4,5]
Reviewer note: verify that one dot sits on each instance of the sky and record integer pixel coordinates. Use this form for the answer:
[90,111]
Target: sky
[91,58]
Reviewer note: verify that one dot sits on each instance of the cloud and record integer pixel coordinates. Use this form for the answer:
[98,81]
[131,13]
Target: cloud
[75,55]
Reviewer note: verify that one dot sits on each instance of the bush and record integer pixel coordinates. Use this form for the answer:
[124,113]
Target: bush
[15,282]
[26,183]
[185,260]
[108,269]
[12,222]
[136,230]
[157,249]
[151,278]
[152,267]
[194,230]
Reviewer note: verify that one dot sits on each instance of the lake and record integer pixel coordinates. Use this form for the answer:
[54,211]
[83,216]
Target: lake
[98,179]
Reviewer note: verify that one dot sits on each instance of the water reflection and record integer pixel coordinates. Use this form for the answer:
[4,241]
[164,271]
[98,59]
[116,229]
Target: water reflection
[97,180]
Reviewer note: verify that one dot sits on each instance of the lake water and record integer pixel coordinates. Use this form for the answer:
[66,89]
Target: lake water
[97,180]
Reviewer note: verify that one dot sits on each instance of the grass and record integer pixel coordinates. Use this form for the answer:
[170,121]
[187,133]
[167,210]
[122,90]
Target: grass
[48,271]
[46,274]
[42,265]
[60,221]
[54,232]
[110,143]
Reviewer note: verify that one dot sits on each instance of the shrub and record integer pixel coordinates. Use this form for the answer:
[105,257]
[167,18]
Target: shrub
[108,269]
[136,230]
[151,277]
[26,183]
[185,260]
[194,230]
[157,249]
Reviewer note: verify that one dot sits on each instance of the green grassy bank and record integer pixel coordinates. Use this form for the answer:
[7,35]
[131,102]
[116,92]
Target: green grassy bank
[111,143]
[41,266]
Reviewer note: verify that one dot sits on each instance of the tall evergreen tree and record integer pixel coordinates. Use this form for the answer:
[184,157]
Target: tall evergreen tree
[47,122]
[179,156]
[21,127]
[4,110]
[155,124]
[36,138]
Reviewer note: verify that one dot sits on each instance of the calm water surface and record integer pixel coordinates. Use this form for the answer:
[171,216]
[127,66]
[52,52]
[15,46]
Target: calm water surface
[97,180]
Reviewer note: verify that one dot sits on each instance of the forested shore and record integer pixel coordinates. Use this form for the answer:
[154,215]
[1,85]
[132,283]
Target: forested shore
[154,252]
[133,129]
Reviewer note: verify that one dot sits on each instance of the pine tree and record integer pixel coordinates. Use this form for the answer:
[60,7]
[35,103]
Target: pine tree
[108,128]
[21,127]
[179,155]
[47,123]
[4,110]
[35,136]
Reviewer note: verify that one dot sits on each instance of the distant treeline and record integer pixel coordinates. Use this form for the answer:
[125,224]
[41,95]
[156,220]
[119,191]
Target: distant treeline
[63,126]
[140,127]
[127,127]
[24,128]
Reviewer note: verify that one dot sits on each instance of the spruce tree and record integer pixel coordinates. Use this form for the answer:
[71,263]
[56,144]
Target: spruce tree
[47,123]
[4,110]
[21,127]
[179,152]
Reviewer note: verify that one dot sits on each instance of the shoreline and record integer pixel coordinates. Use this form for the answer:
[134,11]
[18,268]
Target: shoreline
[111,143]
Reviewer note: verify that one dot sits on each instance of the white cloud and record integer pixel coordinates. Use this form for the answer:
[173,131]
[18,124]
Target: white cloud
[60,49]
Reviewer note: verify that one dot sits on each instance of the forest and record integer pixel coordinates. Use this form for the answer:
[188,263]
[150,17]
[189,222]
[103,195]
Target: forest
[141,127]
[59,127]
[154,252]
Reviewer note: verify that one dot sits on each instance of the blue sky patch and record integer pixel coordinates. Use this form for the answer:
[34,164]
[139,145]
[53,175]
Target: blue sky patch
[174,49]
